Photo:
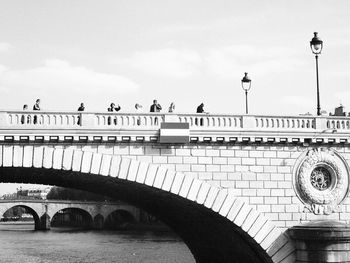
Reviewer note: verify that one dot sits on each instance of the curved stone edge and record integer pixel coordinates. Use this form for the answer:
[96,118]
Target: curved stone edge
[36,208]
[278,245]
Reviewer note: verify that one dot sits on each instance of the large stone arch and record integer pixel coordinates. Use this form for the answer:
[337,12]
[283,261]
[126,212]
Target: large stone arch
[215,225]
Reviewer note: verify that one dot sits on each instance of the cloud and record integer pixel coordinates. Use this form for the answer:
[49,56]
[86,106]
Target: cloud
[225,61]
[5,46]
[60,77]
[166,62]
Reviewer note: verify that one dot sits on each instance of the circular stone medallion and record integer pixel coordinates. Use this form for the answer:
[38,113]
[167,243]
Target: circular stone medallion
[321,180]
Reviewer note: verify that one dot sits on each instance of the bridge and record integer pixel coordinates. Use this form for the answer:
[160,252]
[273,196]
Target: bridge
[94,214]
[234,187]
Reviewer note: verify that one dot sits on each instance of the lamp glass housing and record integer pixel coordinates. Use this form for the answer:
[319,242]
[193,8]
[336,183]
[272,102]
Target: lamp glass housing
[246,82]
[316,44]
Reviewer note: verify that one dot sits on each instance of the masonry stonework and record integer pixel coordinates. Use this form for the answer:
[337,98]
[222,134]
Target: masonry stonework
[260,175]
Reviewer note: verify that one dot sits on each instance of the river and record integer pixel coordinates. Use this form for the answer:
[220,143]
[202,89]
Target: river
[20,243]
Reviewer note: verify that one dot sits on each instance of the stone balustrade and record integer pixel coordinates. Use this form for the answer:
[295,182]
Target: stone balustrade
[64,120]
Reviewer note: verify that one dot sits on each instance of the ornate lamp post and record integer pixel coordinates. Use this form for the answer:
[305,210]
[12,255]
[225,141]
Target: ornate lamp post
[316,45]
[246,83]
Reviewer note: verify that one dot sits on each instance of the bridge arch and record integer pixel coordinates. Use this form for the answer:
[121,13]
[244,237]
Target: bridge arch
[83,215]
[34,211]
[118,218]
[60,207]
[215,225]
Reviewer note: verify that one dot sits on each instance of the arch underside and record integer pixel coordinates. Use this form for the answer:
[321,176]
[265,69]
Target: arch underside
[31,211]
[83,215]
[210,236]
[118,219]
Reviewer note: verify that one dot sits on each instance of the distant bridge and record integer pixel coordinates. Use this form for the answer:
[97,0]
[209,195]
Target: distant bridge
[229,185]
[95,213]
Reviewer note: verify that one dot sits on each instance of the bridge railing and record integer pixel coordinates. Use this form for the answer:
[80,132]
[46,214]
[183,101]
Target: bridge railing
[151,121]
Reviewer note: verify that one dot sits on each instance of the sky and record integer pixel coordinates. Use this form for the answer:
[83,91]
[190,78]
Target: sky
[186,51]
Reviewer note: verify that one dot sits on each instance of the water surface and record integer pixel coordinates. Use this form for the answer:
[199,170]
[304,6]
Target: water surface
[20,243]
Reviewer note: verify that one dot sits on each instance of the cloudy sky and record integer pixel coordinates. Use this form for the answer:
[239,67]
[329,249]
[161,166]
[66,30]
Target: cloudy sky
[184,51]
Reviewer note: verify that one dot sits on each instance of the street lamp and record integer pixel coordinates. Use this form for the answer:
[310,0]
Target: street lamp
[246,83]
[316,45]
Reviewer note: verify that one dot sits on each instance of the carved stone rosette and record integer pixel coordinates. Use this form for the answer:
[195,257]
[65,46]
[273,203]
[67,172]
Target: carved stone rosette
[321,180]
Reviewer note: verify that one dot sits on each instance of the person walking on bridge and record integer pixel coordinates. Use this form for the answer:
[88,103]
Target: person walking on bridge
[81,107]
[155,107]
[36,107]
[171,107]
[113,108]
[23,118]
[200,108]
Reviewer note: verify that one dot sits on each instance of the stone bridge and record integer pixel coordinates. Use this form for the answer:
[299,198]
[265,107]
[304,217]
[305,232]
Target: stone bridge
[43,211]
[230,185]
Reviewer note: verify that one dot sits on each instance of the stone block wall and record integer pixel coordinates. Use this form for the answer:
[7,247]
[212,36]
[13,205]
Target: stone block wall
[261,174]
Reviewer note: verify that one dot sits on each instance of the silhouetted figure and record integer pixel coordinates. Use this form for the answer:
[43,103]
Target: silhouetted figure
[138,108]
[200,108]
[23,118]
[171,107]
[155,107]
[36,107]
[81,108]
[111,109]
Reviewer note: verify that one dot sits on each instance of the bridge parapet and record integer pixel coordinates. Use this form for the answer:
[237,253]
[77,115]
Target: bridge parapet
[112,127]
[25,119]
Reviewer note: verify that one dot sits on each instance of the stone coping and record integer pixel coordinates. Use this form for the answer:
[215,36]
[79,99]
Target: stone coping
[321,231]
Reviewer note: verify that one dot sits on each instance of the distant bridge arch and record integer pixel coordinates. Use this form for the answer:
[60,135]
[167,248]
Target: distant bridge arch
[35,211]
[85,216]
[95,210]
[215,225]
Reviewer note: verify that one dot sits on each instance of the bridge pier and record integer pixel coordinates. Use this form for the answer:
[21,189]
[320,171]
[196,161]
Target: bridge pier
[43,223]
[98,222]
[322,241]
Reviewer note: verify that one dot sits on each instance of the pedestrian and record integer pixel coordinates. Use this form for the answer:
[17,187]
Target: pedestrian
[23,118]
[36,107]
[171,107]
[155,107]
[200,108]
[138,108]
[81,108]
[113,107]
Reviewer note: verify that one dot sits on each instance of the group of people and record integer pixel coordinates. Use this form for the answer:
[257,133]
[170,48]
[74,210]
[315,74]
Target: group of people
[35,118]
[155,107]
